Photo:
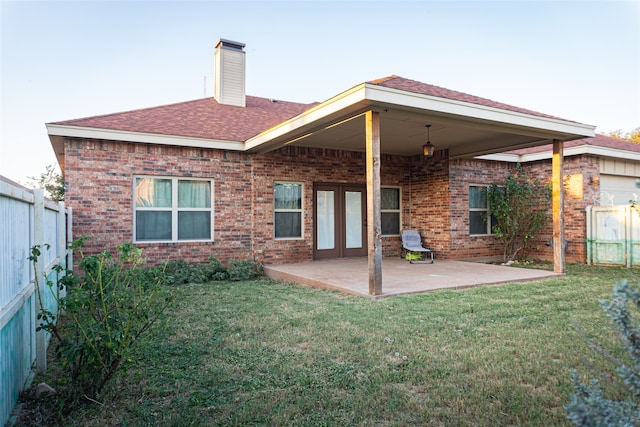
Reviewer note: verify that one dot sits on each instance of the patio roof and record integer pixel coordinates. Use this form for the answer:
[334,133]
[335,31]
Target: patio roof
[466,125]
[400,278]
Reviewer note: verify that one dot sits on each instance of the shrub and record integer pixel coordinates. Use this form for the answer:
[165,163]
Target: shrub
[518,211]
[110,308]
[178,272]
[588,406]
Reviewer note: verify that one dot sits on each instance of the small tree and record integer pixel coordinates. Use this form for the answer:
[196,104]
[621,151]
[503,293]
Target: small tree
[633,135]
[588,406]
[518,211]
[51,181]
[110,309]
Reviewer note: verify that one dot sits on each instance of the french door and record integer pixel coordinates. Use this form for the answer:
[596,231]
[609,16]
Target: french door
[340,219]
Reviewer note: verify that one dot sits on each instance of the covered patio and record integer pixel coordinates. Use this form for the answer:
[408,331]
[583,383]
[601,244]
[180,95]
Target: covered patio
[391,117]
[351,275]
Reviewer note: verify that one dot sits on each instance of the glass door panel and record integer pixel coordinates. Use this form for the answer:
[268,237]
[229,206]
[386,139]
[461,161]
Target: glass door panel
[353,219]
[325,226]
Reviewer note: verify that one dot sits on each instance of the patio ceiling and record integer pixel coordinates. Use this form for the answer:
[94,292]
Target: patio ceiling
[465,129]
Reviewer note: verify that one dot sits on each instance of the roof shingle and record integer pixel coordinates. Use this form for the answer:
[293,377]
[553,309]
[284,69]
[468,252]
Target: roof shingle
[203,118]
[597,141]
[400,83]
[206,118]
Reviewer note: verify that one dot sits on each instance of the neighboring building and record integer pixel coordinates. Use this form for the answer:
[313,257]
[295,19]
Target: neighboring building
[280,182]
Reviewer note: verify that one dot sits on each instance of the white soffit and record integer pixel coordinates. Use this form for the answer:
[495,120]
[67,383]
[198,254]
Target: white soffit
[327,113]
[141,137]
[572,151]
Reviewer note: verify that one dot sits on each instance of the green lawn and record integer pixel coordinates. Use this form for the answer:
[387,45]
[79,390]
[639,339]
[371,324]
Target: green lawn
[265,353]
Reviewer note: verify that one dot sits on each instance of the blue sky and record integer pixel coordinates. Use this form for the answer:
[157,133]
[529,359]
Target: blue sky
[579,60]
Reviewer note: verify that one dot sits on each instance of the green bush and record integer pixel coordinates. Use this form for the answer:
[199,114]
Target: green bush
[517,208]
[179,272]
[242,270]
[110,308]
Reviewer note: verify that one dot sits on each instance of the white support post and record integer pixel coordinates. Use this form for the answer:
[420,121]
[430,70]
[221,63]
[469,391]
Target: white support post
[628,246]
[39,279]
[589,239]
[62,243]
[69,252]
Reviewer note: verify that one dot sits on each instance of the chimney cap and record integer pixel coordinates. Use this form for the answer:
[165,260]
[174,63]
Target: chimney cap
[230,44]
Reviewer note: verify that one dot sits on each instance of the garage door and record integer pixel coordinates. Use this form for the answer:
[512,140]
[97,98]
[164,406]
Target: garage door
[618,190]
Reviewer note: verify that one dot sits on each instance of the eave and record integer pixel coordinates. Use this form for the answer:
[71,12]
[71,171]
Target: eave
[57,134]
[602,152]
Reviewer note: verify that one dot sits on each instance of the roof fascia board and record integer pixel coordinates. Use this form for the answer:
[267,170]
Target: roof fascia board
[140,137]
[450,106]
[304,122]
[572,151]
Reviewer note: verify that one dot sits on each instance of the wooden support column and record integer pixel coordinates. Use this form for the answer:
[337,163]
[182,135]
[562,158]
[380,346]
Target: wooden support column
[557,203]
[374,228]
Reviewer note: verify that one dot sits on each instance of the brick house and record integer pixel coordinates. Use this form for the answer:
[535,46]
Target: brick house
[280,182]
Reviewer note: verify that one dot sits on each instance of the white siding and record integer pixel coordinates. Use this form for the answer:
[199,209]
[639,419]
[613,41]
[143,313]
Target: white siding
[230,77]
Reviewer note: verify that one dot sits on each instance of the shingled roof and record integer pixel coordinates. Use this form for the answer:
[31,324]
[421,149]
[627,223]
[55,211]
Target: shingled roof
[598,140]
[208,119]
[408,85]
[203,118]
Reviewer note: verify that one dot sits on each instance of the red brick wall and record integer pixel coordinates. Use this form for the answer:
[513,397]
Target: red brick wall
[581,189]
[429,206]
[309,165]
[464,173]
[99,179]
[435,197]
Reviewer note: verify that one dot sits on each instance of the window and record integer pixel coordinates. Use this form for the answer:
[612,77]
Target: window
[287,210]
[172,209]
[479,221]
[390,211]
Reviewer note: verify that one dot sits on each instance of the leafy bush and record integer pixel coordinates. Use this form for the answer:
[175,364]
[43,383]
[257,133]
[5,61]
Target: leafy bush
[110,307]
[178,272]
[518,211]
[242,270]
[588,406]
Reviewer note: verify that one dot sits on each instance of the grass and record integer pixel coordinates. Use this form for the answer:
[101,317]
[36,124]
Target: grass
[266,353]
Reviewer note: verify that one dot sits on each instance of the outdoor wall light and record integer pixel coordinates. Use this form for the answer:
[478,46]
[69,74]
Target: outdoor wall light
[428,148]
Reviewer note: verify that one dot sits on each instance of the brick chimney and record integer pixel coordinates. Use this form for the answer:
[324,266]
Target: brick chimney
[229,76]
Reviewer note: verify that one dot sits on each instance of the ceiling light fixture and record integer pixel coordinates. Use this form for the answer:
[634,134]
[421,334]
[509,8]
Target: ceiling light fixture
[428,148]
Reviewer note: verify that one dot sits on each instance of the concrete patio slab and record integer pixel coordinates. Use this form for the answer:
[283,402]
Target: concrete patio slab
[398,276]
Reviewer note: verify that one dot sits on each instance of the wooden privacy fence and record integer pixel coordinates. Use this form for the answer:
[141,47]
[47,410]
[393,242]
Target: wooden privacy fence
[26,219]
[613,235]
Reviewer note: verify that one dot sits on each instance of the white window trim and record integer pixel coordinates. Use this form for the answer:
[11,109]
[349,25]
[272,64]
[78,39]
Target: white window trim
[469,209]
[174,208]
[399,210]
[301,210]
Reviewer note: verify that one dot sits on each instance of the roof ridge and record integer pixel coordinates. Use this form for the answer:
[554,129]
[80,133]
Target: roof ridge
[383,79]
